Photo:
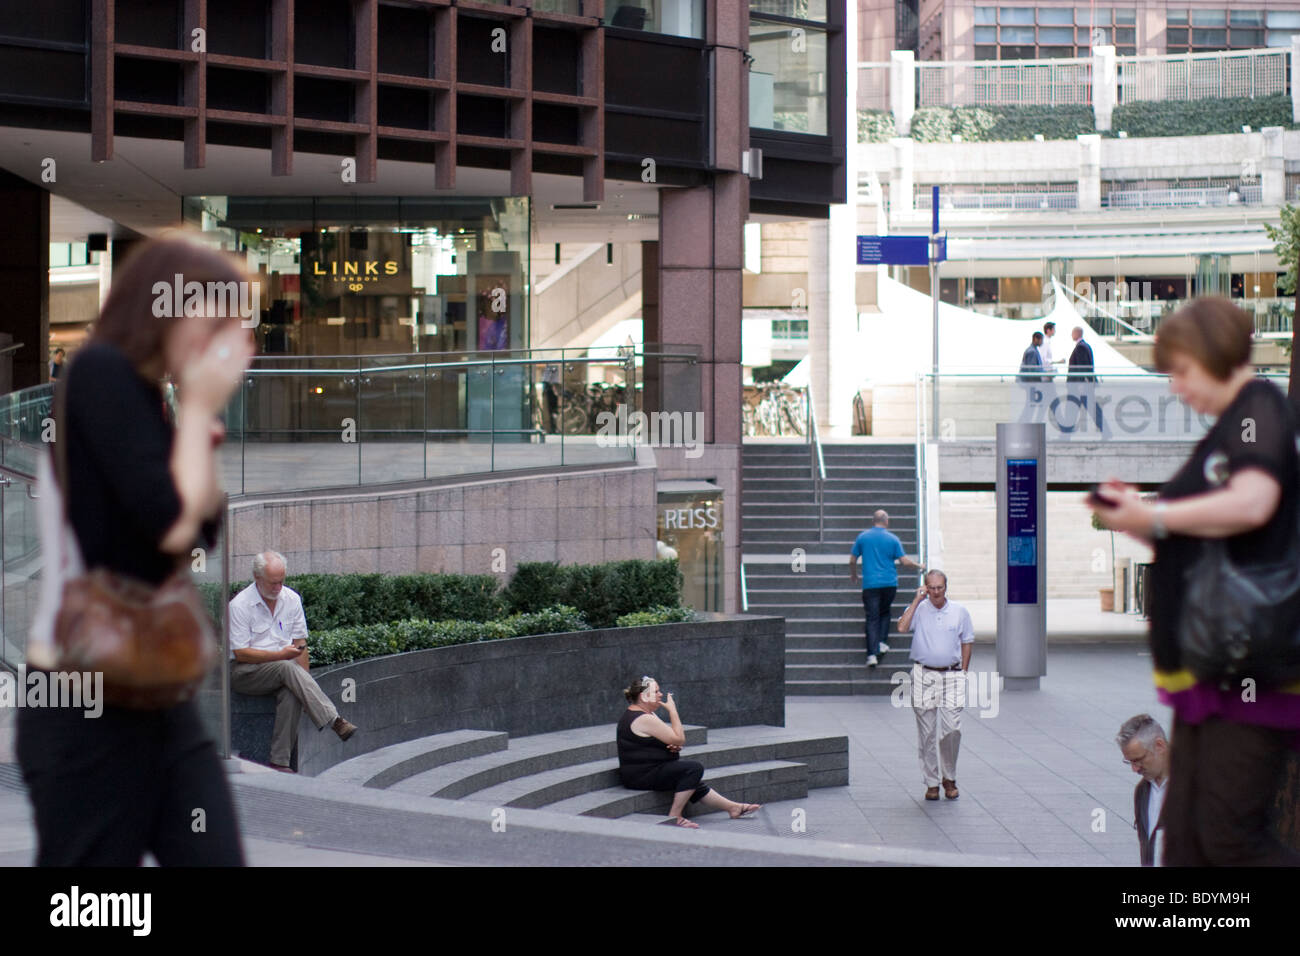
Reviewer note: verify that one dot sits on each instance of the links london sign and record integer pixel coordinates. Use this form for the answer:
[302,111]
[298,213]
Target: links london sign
[356,270]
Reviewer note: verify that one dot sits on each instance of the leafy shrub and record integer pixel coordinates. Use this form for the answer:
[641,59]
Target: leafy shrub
[656,615]
[351,600]
[344,644]
[600,592]
[1202,117]
[1001,124]
[875,126]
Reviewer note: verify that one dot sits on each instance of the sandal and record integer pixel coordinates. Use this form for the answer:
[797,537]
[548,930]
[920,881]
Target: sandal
[950,789]
[747,810]
[682,822]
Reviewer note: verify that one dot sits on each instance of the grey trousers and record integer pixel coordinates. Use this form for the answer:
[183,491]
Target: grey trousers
[294,689]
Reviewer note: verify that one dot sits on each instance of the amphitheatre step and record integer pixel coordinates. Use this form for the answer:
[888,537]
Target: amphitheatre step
[871,686]
[533,754]
[762,782]
[825,757]
[386,766]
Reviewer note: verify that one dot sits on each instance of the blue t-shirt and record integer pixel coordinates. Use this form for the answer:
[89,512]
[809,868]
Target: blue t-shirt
[878,549]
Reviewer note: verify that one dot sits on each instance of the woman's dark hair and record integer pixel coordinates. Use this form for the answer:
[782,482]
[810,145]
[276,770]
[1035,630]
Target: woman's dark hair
[129,320]
[634,690]
[1211,331]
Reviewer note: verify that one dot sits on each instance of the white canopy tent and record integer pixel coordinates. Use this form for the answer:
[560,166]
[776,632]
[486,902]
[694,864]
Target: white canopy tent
[893,345]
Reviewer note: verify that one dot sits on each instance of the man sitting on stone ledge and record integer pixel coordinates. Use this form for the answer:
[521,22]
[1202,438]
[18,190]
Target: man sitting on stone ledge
[268,642]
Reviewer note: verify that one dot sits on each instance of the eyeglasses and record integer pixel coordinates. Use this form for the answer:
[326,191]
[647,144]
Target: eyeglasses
[1136,760]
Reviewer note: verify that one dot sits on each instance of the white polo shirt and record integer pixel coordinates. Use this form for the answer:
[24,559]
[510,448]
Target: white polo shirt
[939,633]
[253,626]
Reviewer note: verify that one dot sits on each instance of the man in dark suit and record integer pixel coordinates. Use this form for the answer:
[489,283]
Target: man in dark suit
[1031,376]
[1144,746]
[1082,384]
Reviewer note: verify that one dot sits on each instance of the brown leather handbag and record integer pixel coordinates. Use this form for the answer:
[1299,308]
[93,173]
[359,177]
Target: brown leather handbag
[154,645]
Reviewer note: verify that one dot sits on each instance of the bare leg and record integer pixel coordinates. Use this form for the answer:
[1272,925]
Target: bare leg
[717,801]
[679,803]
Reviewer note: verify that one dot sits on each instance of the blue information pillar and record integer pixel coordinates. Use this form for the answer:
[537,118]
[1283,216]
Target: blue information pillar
[1022,564]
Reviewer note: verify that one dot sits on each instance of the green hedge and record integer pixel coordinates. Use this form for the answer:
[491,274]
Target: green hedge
[344,644]
[1202,117]
[875,126]
[1000,124]
[656,615]
[601,592]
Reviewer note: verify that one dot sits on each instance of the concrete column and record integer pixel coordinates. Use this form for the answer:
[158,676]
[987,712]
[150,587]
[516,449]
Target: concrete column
[819,311]
[844,375]
[902,90]
[1272,172]
[902,179]
[1105,85]
[1090,172]
[25,276]
[1295,88]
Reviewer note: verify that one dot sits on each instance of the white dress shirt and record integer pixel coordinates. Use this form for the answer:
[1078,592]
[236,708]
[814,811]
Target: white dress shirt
[1155,803]
[939,633]
[253,626]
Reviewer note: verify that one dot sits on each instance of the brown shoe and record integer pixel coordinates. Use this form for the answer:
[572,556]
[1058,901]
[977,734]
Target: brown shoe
[950,790]
[932,793]
[281,768]
[343,728]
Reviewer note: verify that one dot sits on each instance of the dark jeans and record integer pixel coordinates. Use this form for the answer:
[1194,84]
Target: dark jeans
[674,775]
[108,789]
[876,602]
[1223,778]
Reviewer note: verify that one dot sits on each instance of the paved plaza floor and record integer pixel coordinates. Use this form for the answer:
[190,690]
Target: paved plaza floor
[1042,783]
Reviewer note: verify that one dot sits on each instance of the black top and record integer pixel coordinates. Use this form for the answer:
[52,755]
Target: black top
[120,495]
[634,751]
[1256,431]
[1080,364]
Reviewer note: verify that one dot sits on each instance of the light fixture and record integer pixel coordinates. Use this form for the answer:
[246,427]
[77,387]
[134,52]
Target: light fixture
[609,253]
[557,253]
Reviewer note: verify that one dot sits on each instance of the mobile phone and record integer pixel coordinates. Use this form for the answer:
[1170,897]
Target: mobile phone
[1098,500]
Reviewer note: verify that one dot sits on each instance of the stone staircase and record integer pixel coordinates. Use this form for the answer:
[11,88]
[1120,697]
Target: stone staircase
[576,771]
[825,642]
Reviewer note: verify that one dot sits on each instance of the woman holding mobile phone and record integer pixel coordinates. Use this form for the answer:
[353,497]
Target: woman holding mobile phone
[1239,485]
[648,758]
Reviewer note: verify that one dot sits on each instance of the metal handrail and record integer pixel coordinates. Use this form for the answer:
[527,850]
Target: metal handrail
[816,466]
[922,534]
[744,589]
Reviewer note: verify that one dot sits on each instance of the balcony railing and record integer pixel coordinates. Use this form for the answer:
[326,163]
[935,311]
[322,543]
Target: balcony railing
[992,201]
[1183,197]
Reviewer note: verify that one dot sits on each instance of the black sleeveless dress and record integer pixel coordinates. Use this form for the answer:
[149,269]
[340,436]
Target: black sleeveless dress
[646,763]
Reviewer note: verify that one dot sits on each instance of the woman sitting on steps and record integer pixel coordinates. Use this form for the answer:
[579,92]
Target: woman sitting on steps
[647,755]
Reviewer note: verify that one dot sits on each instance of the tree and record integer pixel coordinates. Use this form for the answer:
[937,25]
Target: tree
[1286,241]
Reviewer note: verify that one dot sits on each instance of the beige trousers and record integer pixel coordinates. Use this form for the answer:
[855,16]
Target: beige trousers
[937,701]
[294,689]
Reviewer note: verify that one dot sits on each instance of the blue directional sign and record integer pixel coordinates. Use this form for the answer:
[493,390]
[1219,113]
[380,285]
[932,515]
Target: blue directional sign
[898,250]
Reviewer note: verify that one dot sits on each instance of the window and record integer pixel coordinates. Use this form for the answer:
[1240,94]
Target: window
[986,15]
[1247,18]
[1016,15]
[1222,29]
[1284,20]
[986,34]
[787,80]
[1017,35]
[1055,16]
[1057,35]
[1209,18]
